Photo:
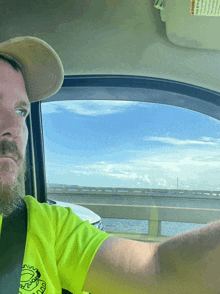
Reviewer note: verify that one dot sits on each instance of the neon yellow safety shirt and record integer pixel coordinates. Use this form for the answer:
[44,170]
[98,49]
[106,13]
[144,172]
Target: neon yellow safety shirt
[59,249]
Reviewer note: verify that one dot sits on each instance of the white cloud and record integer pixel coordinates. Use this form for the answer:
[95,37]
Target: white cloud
[161,182]
[174,141]
[146,179]
[197,167]
[90,107]
[206,138]
[160,170]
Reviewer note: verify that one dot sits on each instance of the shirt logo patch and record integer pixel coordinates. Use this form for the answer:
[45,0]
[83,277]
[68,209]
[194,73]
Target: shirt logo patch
[30,282]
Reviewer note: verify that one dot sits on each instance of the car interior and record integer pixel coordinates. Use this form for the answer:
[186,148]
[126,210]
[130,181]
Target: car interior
[143,51]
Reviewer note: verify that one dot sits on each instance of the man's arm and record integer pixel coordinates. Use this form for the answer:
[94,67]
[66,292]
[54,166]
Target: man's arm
[192,260]
[121,266]
[188,263]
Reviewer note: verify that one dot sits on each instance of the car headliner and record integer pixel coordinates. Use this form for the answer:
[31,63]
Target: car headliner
[122,37]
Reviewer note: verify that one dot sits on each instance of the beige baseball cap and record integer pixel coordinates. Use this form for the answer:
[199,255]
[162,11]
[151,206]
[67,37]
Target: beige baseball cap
[41,66]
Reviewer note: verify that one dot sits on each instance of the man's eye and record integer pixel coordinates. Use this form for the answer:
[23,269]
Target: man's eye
[24,111]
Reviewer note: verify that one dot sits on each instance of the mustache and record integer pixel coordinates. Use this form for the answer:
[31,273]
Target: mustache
[9,147]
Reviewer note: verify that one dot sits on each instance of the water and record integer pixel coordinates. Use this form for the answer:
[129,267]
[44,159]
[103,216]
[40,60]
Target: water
[141,226]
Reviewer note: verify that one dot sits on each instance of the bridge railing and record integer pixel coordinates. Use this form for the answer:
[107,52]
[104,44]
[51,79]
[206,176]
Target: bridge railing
[153,214]
[132,191]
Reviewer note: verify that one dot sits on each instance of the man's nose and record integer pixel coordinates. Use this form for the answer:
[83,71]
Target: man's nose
[10,125]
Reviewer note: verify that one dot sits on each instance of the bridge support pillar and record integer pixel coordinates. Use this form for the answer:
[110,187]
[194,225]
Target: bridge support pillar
[154,228]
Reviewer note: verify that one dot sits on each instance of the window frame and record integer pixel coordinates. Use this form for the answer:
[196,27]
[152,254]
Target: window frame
[189,96]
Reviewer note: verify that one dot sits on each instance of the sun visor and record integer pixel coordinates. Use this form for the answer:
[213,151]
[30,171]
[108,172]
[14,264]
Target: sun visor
[191,23]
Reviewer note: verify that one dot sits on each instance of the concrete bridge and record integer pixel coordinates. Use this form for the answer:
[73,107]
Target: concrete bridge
[108,191]
[153,214]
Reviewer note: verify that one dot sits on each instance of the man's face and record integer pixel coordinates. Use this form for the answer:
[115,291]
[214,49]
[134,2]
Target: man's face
[13,136]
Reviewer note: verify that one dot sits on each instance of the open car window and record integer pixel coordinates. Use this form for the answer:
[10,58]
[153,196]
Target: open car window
[125,144]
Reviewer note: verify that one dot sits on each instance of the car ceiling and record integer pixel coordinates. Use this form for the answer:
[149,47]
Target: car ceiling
[121,37]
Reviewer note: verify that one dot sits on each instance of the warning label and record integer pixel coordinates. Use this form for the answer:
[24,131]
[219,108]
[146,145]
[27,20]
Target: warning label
[205,7]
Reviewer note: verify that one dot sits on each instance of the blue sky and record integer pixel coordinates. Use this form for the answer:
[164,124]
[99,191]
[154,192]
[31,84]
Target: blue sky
[130,144]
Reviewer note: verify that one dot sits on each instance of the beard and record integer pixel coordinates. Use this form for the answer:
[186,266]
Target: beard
[11,189]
